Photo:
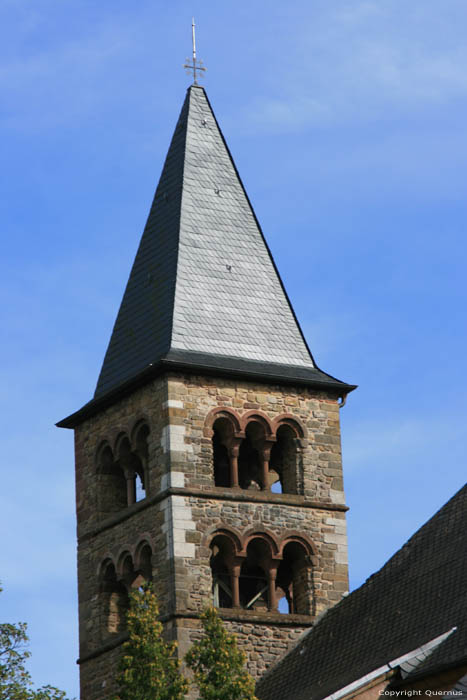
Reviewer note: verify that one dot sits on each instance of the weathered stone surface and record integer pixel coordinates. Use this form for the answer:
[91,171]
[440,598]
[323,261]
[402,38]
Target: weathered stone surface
[183,507]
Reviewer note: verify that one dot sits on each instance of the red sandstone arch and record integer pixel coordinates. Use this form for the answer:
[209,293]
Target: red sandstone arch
[254,534]
[222,412]
[230,533]
[103,445]
[258,417]
[103,566]
[144,541]
[119,440]
[143,560]
[124,561]
[292,422]
[301,539]
[136,426]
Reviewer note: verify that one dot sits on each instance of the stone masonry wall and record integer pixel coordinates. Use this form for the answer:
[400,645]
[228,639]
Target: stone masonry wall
[183,507]
[191,398]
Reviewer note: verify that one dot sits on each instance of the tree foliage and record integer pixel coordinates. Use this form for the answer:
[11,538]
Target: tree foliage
[15,680]
[149,669]
[218,664]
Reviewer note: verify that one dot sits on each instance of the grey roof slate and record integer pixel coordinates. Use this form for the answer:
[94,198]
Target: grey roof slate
[420,594]
[203,280]
[461,688]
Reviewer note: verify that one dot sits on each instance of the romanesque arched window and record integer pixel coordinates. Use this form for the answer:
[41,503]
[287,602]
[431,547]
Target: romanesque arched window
[250,468]
[144,561]
[112,489]
[293,583]
[222,563]
[115,584]
[283,466]
[221,441]
[254,573]
[132,467]
[140,441]
[122,473]
[113,602]
[254,576]
[252,452]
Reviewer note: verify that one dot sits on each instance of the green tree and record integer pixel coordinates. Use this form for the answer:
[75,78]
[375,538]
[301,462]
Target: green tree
[218,664]
[149,669]
[15,681]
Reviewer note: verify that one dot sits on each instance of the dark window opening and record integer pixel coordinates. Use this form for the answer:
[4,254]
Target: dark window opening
[140,464]
[221,461]
[111,484]
[221,565]
[292,582]
[253,577]
[145,562]
[221,586]
[283,462]
[133,469]
[249,462]
[253,587]
[114,603]
[221,439]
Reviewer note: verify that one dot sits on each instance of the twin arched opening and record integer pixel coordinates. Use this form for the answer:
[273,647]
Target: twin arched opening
[122,473]
[259,576]
[254,453]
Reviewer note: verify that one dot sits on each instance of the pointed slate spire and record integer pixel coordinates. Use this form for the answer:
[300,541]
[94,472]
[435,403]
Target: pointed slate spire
[204,289]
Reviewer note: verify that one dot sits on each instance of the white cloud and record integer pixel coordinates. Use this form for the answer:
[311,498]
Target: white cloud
[354,64]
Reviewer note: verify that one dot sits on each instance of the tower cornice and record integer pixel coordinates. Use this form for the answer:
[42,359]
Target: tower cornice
[211,365]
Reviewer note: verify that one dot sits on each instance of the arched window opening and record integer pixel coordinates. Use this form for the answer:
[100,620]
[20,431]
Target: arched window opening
[141,441]
[132,467]
[113,603]
[141,467]
[127,569]
[145,562]
[254,576]
[112,488]
[140,490]
[249,458]
[283,462]
[223,434]
[292,582]
[221,562]
[118,608]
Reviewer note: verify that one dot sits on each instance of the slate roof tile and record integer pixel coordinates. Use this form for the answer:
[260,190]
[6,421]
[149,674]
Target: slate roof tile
[180,293]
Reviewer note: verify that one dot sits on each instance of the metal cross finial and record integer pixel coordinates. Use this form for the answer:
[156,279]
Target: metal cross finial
[196,64]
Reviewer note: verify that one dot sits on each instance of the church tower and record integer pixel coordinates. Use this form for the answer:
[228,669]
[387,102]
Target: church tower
[209,459]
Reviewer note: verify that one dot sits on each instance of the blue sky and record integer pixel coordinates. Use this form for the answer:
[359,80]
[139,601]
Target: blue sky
[346,119]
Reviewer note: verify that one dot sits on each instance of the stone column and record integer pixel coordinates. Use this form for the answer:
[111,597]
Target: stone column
[233,461]
[130,487]
[272,588]
[265,456]
[234,582]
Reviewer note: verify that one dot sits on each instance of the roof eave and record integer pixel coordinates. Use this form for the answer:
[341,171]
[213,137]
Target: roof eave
[231,368]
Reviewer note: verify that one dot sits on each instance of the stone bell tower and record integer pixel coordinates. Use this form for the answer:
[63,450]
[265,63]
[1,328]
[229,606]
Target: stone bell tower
[209,458]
